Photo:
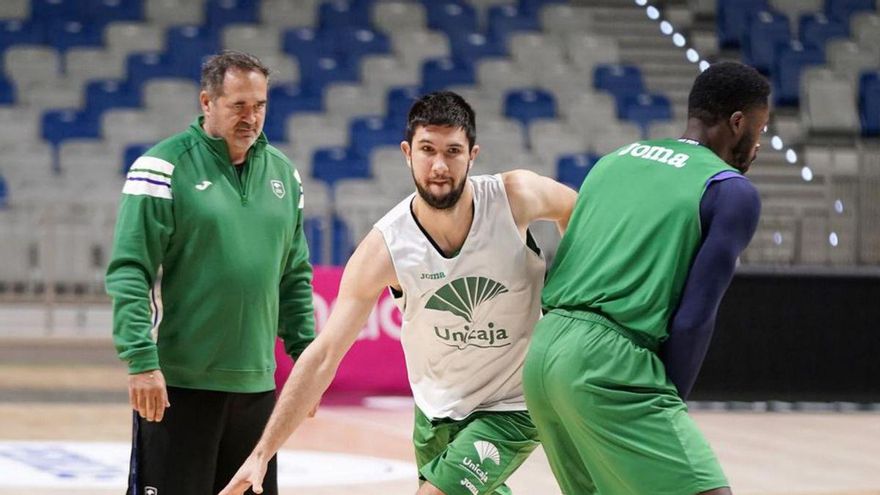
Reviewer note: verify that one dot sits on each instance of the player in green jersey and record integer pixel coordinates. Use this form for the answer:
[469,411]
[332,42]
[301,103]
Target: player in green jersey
[632,297]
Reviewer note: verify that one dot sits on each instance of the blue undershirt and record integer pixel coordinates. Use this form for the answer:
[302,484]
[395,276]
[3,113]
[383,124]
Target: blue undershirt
[729,214]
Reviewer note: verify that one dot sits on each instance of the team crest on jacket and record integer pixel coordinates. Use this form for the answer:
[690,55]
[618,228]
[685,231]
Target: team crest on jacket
[277,188]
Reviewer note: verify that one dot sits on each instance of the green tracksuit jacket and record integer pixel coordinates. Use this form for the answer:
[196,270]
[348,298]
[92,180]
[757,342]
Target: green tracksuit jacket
[208,267]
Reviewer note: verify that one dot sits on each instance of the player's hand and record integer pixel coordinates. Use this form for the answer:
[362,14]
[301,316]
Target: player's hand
[148,395]
[249,475]
[314,409]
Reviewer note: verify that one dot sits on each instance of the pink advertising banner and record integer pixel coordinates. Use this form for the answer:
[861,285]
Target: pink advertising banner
[375,363]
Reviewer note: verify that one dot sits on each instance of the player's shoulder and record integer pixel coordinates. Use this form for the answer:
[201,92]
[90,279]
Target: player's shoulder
[393,220]
[525,186]
[734,184]
[281,162]
[519,181]
[735,195]
[276,154]
[172,150]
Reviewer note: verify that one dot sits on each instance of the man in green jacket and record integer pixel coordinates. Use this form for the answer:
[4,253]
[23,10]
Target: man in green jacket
[209,264]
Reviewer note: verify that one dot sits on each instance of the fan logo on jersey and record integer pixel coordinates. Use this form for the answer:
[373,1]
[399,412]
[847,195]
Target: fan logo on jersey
[487,450]
[463,298]
[278,188]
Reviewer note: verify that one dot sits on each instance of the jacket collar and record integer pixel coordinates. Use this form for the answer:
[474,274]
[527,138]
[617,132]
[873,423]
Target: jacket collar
[218,145]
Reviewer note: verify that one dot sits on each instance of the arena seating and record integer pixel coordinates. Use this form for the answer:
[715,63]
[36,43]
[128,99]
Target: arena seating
[89,85]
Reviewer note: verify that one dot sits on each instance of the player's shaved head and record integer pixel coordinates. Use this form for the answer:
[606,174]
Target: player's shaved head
[725,88]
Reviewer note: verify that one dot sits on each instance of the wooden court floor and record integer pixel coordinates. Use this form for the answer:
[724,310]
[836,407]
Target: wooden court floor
[762,453]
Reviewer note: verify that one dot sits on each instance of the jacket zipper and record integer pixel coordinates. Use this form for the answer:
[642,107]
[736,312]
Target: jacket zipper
[242,184]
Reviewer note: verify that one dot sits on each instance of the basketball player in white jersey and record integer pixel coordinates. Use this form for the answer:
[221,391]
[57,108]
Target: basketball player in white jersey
[467,276]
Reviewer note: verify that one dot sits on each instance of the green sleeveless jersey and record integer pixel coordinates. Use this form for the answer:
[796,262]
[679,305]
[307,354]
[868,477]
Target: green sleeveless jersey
[633,235]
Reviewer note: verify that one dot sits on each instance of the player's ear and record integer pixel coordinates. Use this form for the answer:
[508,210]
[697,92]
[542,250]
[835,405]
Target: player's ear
[474,152]
[204,100]
[407,152]
[737,122]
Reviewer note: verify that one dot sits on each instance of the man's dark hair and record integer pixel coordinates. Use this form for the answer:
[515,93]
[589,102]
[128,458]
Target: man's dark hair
[443,108]
[215,68]
[725,88]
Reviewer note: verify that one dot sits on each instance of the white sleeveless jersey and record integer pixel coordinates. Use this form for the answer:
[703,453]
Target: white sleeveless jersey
[468,319]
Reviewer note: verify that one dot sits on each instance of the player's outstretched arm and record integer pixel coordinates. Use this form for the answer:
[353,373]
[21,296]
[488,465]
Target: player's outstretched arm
[366,275]
[535,197]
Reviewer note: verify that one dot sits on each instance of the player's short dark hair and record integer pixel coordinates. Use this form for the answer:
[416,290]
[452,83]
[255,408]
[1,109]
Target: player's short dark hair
[443,108]
[215,68]
[725,88]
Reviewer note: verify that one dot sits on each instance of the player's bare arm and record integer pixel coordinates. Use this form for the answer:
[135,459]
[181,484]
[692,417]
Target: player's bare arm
[535,197]
[368,272]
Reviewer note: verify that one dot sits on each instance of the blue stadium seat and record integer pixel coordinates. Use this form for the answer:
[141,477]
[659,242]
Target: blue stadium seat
[533,7]
[767,29]
[619,80]
[791,60]
[506,19]
[18,32]
[816,29]
[325,70]
[643,109]
[67,10]
[116,10]
[439,73]
[187,45]
[400,99]
[4,193]
[343,245]
[141,67]
[219,13]
[732,18]
[64,35]
[869,103]
[103,94]
[7,91]
[451,16]
[306,44]
[285,100]
[529,104]
[315,238]
[60,125]
[842,9]
[335,14]
[355,42]
[366,133]
[472,46]
[573,169]
[337,163]
[131,153]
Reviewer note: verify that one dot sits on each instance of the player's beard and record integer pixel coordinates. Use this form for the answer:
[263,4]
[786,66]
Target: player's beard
[744,152]
[445,201]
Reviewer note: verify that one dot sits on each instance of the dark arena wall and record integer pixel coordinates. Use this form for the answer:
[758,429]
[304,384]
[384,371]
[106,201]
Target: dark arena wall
[796,337]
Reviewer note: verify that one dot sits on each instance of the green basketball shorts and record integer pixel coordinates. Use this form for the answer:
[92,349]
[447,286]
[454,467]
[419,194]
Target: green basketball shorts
[475,455]
[610,420]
